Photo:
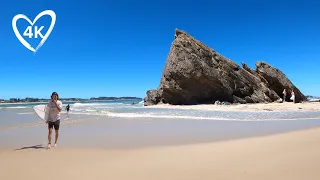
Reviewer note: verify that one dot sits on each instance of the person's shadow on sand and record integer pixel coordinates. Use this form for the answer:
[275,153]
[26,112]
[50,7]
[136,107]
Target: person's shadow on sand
[31,147]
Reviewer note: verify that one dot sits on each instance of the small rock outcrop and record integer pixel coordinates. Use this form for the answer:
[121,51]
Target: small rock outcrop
[197,74]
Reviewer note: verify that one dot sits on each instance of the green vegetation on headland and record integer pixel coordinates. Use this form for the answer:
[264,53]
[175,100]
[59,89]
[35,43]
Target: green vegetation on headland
[31,100]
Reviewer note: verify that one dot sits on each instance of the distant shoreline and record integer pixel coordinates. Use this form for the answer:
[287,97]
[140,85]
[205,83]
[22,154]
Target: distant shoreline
[44,102]
[23,103]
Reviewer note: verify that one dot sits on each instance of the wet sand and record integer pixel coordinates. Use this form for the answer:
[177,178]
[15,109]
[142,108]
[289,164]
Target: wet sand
[288,156]
[88,131]
[101,147]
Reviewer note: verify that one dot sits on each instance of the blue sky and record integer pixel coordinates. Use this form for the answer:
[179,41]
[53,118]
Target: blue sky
[119,48]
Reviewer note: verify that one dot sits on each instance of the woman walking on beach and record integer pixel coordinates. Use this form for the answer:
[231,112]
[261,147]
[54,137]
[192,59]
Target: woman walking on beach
[293,96]
[54,118]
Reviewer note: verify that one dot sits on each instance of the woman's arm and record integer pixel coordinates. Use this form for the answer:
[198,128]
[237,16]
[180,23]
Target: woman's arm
[59,108]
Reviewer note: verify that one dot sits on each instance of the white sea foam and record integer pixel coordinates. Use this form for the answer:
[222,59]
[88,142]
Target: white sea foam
[95,104]
[150,115]
[192,117]
[16,107]
[85,104]
[314,100]
[91,110]
[27,113]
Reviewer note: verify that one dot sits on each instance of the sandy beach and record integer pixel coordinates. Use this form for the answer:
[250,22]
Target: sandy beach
[288,156]
[276,107]
[283,146]
[87,90]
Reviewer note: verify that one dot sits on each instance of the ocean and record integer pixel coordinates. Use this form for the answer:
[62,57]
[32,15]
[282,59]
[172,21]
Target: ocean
[136,109]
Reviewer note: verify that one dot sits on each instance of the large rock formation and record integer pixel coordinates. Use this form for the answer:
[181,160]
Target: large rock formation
[196,74]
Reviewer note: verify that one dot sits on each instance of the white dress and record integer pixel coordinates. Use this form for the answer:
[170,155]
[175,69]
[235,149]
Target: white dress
[292,97]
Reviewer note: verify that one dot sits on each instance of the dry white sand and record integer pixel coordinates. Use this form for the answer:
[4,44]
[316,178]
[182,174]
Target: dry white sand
[289,156]
[287,106]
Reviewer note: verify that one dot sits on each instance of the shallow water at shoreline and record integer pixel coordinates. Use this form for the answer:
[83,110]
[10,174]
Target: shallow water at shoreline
[121,124]
[23,130]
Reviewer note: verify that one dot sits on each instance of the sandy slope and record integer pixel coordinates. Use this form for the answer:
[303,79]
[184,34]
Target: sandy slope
[287,106]
[289,156]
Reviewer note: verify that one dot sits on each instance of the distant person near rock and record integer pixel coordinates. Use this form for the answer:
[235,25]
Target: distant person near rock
[284,95]
[68,109]
[293,96]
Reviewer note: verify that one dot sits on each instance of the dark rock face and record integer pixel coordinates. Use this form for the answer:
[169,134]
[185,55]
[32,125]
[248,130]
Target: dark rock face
[153,97]
[196,74]
[278,81]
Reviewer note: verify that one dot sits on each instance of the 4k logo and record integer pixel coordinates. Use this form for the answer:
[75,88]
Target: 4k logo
[33,31]
[28,32]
